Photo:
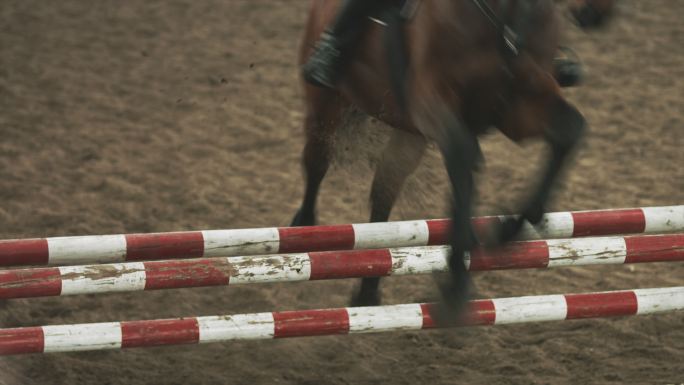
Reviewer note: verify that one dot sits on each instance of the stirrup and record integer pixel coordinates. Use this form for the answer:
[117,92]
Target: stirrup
[323,67]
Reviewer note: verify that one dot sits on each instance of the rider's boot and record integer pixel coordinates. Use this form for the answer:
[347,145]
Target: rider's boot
[567,68]
[326,64]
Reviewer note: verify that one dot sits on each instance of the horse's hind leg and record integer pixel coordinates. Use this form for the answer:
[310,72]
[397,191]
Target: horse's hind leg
[400,158]
[325,111]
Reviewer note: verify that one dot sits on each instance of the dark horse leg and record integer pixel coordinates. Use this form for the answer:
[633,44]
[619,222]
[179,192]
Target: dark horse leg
[565,130]
[325,113]
[400,158]
[434,114]
[461,152]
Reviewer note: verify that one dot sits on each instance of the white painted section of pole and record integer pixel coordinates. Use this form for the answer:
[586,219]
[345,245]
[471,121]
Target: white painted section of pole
[659,299]
[663,219]
[81,337]
[586,251]
[530,309]
[219,243]
[115,277]
[552,225]
[419,260]
[385,318]
[233,327]
[96,248]
[274,268]
[397,234]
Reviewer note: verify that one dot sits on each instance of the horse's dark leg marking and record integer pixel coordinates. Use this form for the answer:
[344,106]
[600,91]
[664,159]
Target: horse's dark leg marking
[320,125]
[400,158]
[565,130]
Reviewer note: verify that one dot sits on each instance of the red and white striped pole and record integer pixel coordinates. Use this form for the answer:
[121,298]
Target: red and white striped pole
[153,275]
[193,330]
[218,243]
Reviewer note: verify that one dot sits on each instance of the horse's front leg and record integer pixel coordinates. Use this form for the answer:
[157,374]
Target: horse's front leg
[461,153]
[565,129]
[435,112]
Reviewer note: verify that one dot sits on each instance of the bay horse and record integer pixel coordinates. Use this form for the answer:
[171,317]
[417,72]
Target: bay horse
[591,13]
[469,65]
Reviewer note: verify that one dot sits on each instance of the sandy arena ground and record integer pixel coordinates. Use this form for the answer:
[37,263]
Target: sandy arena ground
[142,116]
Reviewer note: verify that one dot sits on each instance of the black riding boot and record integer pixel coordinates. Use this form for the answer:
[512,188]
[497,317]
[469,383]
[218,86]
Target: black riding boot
[326,64]
[567,68]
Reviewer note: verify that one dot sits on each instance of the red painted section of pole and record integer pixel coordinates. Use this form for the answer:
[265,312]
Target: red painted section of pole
[311,323]
[597,223]
[350,264]
[159,332]
[186,273]
[601,305]
[26,283]
[316,238]
[21,341]
[140,247]
[534,255]
[662,248]
[24,252]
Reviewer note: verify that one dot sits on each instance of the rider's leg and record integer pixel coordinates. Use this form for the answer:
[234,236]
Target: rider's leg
[327,61]
[326,64]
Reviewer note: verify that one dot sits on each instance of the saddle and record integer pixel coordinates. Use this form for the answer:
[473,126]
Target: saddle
[568,69]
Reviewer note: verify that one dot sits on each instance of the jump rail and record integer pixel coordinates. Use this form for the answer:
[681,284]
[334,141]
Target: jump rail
[138,276]
[193,330]
[217,243]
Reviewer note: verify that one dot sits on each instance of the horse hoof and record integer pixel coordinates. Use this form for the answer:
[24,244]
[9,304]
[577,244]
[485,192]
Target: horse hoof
[451,308]
[444,315]
[365,299]
[448,311]
[301,219]
[534,215]
[508,230]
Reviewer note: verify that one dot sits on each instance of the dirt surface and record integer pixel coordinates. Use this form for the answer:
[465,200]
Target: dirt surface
[140,116]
